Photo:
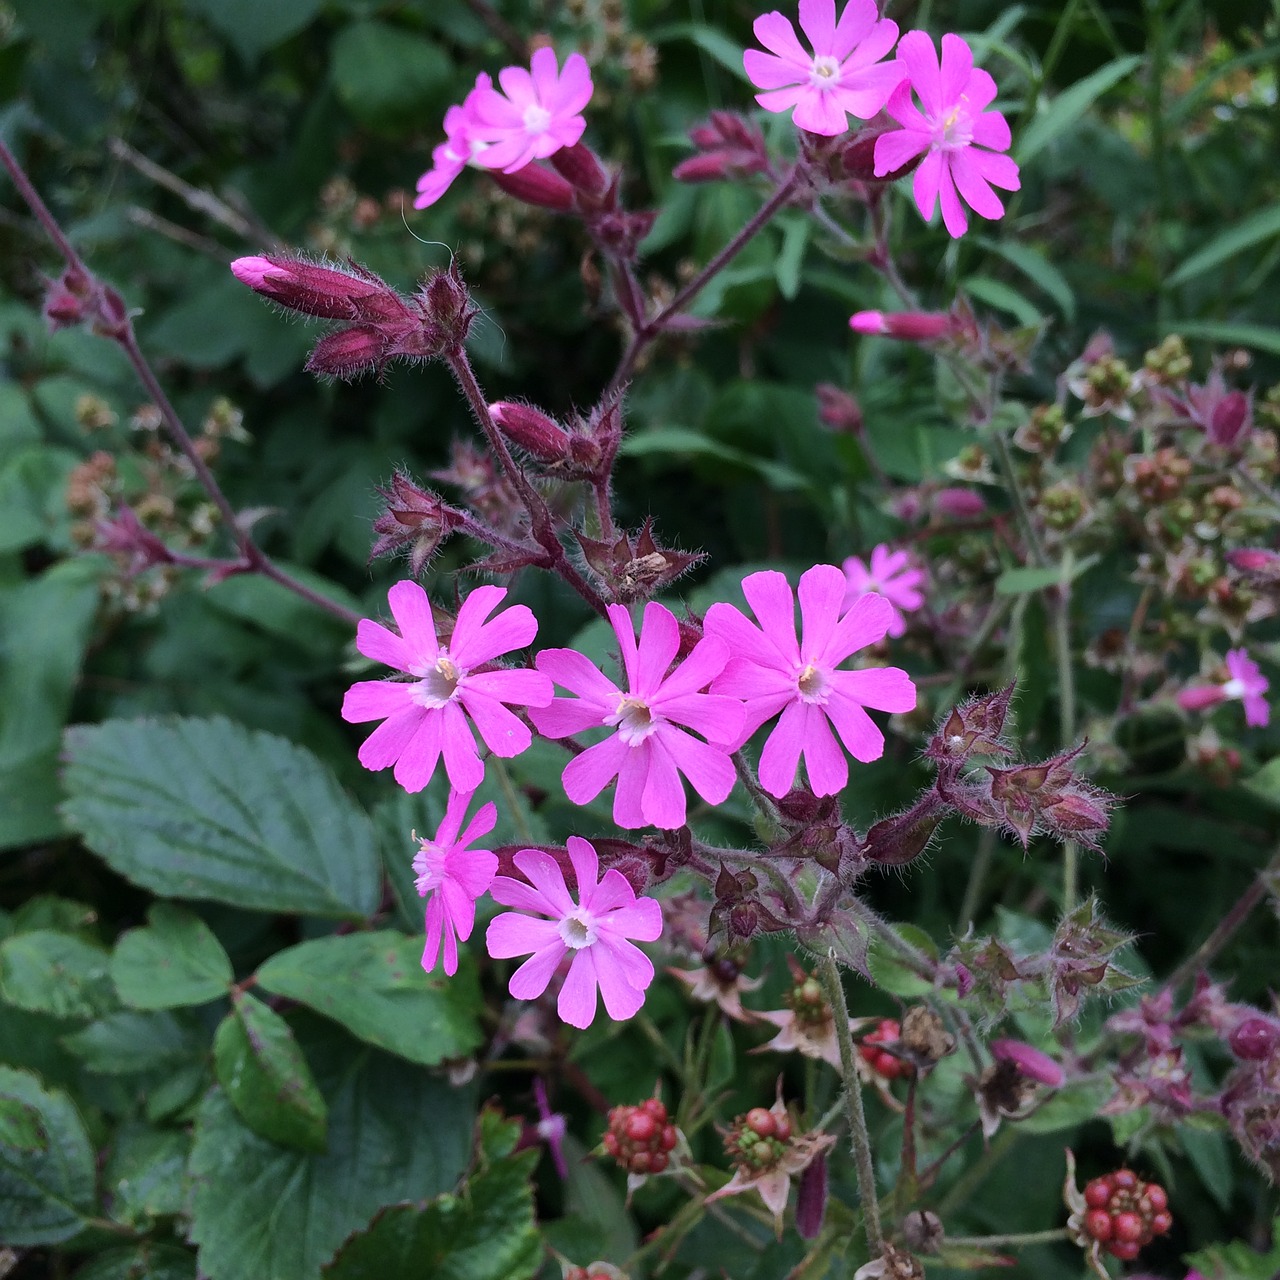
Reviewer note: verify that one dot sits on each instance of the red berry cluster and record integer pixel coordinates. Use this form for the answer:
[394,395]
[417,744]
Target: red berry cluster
[1124,1213]
[640,1138]
[758,1140]
[881,1062]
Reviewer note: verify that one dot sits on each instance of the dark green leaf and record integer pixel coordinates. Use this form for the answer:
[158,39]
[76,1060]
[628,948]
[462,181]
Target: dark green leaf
[209,809]
[57,973]
[266,1077]
[20,1127]
[252,26]
[146,1174]
[129,1043]
[384,73]
[175,961]
[45,1192]
[1261,225]
[1017,582]
[374,985]
[146,1261]
[1059,115]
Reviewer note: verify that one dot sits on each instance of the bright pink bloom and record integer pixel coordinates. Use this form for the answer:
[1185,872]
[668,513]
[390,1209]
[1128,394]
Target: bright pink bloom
[455,152]
[776,674]
[892,575]
[843,76]
[1029,1061]
[595,929]
[538,112]
[1249,685]
[451,876]
[914,326]
[649,752]
[954,130]
[426,717]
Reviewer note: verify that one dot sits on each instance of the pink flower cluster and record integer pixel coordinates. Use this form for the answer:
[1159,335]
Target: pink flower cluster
[1244,683]
[960,140]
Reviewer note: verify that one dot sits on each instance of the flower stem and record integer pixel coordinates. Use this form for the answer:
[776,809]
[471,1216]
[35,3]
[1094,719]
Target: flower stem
[854,1114]
[1050,1236]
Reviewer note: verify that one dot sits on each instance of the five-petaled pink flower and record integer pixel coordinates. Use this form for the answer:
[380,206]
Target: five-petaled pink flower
[451,876]
[538,112]
[650,749]
[455,152]
[890,574]
[775,673]
[426,717]
[596,929]
[1245,683]
[962,139]
[843,76]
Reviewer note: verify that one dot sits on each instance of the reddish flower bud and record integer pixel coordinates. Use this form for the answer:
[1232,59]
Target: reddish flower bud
[838,411]
[347,353]
[811,1198]
[1200,697]
[911,326]
[1254,1039]
[532,430]
[1029,1061]
[537,186]
[583,168]
[415,520]
[1232,416]
[954,503]
[321,290]
[1254,560]
[732,147]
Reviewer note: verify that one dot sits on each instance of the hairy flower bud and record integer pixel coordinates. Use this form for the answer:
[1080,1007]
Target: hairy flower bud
[838,411]
[347,353]
[413,519]
[730,146]
[912,326]
[536,185]
[322,290]
[532,430]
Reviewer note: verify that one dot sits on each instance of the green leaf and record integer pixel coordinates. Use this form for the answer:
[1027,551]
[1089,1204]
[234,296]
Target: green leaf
[175,961]
[374,985]
[146,1261]
[488,1233]
[20,1127]
[715,44]
[795,239]
[1237,1261]
[1021,582]
[58,973]
[1039,270]
[1262,225]
[129,1043]
[670,441]
[395,1133]
[384,74]
[252,26]
[209,809]
[1210,1155]
[266,1077]
[1072,1105]
[29,799]
[999,295]
[1069,106]
[27,482]
[46,1191]
[1260,337]
[147,1174]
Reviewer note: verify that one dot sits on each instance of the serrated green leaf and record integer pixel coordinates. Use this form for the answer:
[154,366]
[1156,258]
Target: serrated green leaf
[260,1066]
[395,1133]
[194,808]
[46,1192]
[57,973]
[1259,226]
[128,1043]
[374,985]
[146,1174]
[174,961]
[1064,110]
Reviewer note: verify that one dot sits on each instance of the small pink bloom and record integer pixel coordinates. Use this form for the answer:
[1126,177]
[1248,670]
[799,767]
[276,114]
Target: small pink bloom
[455,152]
[775,673]
[1200,697]
[843,76]
[596,930]
[451,876]
[890,574]
[427,716]
[551,1127]
[913,326]
[652,746]
[538,111]
[961,139]
[1029,1061]
[1249,685]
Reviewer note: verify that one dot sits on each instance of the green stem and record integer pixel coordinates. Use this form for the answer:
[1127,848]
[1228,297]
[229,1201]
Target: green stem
[1029,531]
[1051,1236]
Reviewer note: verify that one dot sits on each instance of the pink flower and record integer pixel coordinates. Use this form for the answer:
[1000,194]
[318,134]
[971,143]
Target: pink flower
[913,326]
[649,752]
[537,113]
[1246,683]
[891,575]
[1029,1062]
[455,152]
[426,717]
[452,876]
[838,79]
[595,929]
[954,130]
[776,674]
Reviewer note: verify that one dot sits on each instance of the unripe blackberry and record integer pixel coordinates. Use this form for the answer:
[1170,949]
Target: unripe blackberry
[1124,1213]
[640,1138]
[880,1061]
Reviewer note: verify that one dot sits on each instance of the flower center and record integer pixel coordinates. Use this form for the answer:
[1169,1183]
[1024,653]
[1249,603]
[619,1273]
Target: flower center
[824,71]
[428,864]
[635,720]
[1233,689]
[536,118]
[812,684]
[438,683]
[955,130]
[578,930]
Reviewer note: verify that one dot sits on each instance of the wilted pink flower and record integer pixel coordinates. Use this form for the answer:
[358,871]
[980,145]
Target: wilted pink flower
[890,574]
[538,111]
[913,326]
[1225,415]
[1246,683]
[551,1127]
[650,750]
[595,929]
[426,717]
[960,137]
[1029,1061]
[455,152]
[843,76]
[775,673]
[451,876]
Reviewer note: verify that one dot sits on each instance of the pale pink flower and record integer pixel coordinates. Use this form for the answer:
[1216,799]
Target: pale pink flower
[960,137]
[843,76]
[427,716]
[451,876]
[650,749]
[455,152]
[775,673]
[890,574]
[538,111]
[1245,683]
[596,930]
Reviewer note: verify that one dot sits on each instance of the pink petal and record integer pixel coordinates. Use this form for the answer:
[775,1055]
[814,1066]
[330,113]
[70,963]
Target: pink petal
[781,754]
[818,22]
[870,48]
[579,675]
[659,644]
[574,91]
[1001,171]
[973,187]
[641,920]
[382,645]
[504,733]
[957,66]
[512,934]
[991,129]
[925,184]
[375,700]
[586,866]
[518,85]
[577,1002]
[779,100]
[385,745]
[768,72]
[821,595]
[862,740]
[412,611]
[459,907]
[778,36]
[980,91]
[954,217]
[587,775]
[418,759]
[530,980]
[917,54]
[624,972]
[476,641]
[719,719]
[772,601]
[663,801]
[454,809]
[511,892]
[545,70]
[434,922]
[709,769]
[901,107]
[824,762]
[461,761]
[726,623]
[624,629]
[883,688]
[703,664]
[819,112]
[896,149]
[867,91]
[857,24]
[484,821]
[613,894]
[474,872]
[544,873]
[566,716]
[516,685]
[628,800]
[866,622]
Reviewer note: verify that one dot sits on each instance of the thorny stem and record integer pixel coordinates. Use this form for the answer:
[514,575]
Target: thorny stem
[855,1116]
[1225,929]
[652,327]
[254,559]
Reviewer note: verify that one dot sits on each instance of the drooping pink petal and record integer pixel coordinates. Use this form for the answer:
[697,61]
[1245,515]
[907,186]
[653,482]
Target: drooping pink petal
[662,801]
[511,934]
[709,769]
[781,755]
[375,700]
[530,980]
[579,675]
[576,1004]
[824,762]
[587,775]
[954,217]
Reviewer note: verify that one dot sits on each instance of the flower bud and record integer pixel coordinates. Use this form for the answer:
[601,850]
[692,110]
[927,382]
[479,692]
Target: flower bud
[1232,417]
[911,326]
[1201,697]
[583,168]
[1029,1061]
[838,411]
[537,186]
[318,289]
[954,503]
[1254,1039]
[347,353]
[532,430]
